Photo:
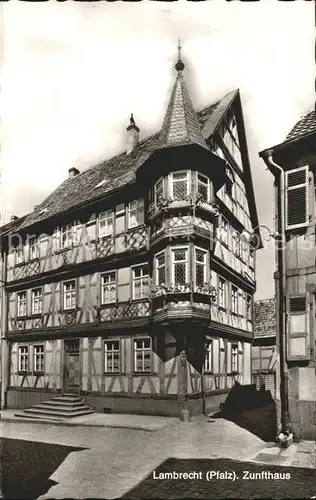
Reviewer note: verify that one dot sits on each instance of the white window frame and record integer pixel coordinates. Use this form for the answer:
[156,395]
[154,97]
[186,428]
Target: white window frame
[33,248]
[209,358]
[37,353]
[72,292]
[160,266]
[109,284]
[292,188]
[172,181]
[222,292]
[173,262]
[140,213]
[142,350]
[234,295]
[19,254]
[23,358]
[199,263]
[206,183]
[144,288]
[37,299]
[106,217]
[68,231]
[109,361]
[22,304]
[158,188]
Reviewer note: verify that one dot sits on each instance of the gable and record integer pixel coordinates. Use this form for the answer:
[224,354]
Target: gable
[120,170]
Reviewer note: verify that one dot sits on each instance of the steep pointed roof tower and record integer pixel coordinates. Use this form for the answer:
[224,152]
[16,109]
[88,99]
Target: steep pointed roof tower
[180,125]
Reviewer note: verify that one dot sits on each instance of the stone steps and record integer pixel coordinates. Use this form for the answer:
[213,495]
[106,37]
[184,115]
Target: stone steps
[57,409]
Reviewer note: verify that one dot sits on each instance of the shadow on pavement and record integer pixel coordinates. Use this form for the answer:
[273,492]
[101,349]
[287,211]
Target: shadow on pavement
[26,466]
[252,410]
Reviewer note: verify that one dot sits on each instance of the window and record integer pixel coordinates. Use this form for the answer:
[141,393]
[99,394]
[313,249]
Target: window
[158,190]
[140,282]
[179,185]
[39,356]
[66,236]
[231,141]
[222,293]
[180,266]
[142,355]
[108,292]
[241,303]
[22,304]
[249,307]
[234,299]
[200,267]
[251,257]
[208,364]
[234,360]
[23,358]
[19,255]
[160,268]
[33,246]
[70,295]
[105,223]
[203,187]
[224,231]
[296,197]
[112,358]
[238,244]
[135,213]
[37,301]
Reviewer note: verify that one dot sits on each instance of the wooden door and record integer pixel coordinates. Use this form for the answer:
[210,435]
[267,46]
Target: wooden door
[72,367]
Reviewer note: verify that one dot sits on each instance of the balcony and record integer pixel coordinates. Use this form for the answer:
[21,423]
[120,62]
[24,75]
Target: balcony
[179,301]
[163,205]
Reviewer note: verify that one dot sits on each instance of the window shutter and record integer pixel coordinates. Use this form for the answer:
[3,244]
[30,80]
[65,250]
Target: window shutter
[298,327]
[296,198]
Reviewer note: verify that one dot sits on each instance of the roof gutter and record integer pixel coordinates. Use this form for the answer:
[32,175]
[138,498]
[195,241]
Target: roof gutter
[281,302]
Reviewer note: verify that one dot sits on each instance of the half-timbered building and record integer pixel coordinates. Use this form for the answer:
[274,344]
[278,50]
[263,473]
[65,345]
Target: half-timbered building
[265,366]
[130,284]
[295,202]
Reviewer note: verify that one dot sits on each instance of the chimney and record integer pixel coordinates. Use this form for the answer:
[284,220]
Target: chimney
[132,135]
[73,171]
[13,218]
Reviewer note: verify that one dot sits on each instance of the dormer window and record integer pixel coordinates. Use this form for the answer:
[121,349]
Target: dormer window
[180,185]
[136,213]
[158,190]
[101,183]
[66,236]
[203,187]
[105,223]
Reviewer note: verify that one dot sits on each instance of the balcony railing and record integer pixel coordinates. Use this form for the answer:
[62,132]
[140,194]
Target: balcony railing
[165,289]
[163,204]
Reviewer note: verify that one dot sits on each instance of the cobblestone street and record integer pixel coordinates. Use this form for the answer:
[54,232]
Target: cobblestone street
[103,462]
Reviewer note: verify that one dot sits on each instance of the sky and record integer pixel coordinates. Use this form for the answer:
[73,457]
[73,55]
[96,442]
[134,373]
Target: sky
[73,72]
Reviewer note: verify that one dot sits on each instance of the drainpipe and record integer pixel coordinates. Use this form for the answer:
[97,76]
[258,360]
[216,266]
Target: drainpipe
[285,438]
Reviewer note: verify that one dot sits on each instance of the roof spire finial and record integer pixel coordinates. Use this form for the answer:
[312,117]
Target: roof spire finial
[179,66]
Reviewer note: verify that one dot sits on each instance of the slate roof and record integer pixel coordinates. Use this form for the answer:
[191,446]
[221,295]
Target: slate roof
[180,124]
[118,171]
[265,318]
[306,125]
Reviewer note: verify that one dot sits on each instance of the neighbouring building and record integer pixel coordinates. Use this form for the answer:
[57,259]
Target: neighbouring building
[130,284]
[296,157]
[264,350]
